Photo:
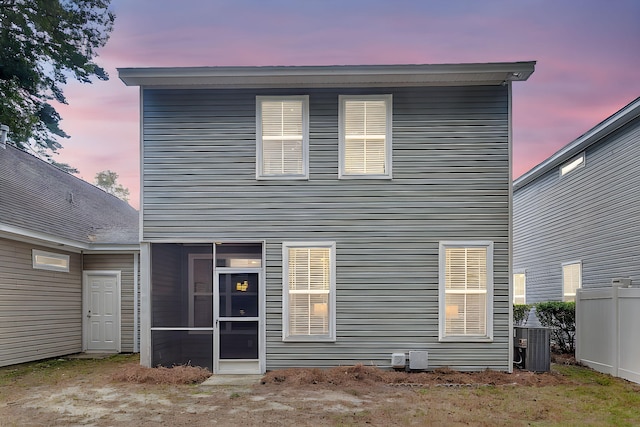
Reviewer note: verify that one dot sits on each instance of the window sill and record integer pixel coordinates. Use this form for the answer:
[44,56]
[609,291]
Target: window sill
[308,339]
[460,338]
[283,178]
[382,177]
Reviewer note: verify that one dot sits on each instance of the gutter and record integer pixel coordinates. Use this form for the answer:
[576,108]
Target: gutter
[51,241]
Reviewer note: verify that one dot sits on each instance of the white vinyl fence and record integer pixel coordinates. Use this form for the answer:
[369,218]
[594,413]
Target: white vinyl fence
[608,330]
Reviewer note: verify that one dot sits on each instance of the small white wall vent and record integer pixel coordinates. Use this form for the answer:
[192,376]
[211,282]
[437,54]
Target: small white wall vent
[398,360]
[622,282]
[418,360]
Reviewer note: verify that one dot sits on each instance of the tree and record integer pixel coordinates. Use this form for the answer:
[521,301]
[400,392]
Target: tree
[42,43]
[561,318]
[107,180]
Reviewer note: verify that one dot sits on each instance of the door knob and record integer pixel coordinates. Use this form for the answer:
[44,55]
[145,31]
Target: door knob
[89,313]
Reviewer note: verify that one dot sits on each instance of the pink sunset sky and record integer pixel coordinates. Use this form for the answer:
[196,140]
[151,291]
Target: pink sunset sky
[588,55]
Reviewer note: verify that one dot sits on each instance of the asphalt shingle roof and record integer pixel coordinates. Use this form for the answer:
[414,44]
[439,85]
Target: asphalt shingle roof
[37,196]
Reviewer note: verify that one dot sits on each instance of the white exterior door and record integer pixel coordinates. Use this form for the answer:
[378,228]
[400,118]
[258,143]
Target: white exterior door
[101,311]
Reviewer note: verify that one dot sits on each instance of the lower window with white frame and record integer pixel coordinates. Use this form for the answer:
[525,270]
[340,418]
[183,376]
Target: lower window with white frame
[309,285]
[466,291]
[519,288]
[571,279]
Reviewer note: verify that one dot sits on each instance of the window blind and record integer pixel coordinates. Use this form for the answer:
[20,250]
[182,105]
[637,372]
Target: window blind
[365,137]
[309,286]
[519,296]
[465,291]
[571,280]
[282,137]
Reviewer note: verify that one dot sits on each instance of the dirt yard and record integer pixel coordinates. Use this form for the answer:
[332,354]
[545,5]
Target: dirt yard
[117,391]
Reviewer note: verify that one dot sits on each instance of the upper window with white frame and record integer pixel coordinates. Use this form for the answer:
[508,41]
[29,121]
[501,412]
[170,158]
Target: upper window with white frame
[466,291]
[573,164]
[43,260]
[571,280]
[365,123]
[282,137]
[309,286]
[519,288]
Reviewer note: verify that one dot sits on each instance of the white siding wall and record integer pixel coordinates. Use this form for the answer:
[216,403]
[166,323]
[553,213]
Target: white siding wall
[450,181]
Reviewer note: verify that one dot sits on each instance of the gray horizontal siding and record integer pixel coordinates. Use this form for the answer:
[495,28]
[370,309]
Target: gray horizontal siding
[450,181]
[124,264]
[591,214]
[40,310]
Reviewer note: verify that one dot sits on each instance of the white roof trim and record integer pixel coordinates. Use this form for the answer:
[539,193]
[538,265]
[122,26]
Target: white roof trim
[329,76]
[592,136]
[51,241]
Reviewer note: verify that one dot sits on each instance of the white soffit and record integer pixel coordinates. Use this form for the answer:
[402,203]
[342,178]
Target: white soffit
[330,76]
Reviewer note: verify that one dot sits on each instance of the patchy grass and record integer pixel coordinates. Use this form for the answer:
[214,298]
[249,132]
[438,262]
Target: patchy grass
[52,371]
[75,392]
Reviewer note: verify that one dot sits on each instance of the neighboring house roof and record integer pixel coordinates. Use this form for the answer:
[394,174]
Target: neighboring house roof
[40,201]
[591,137]
[330,76]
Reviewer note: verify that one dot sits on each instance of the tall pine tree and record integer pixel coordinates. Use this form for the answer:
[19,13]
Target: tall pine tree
[42,43]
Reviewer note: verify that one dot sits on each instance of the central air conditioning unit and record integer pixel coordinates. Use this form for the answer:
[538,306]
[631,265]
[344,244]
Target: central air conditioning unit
[532,348]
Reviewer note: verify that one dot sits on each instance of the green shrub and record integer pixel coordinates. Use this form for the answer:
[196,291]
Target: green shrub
[521,313]
[561,318]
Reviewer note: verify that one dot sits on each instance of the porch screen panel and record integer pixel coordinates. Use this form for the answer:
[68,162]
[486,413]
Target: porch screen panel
[181,304]
[178,347]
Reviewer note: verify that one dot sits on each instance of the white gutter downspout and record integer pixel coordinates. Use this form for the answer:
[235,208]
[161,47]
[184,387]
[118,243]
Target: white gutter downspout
[4,130]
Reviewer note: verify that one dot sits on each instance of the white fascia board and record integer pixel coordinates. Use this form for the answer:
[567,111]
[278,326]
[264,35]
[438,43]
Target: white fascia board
[110,249]
[592,136]
[42,239]
[48,240]
[329,76]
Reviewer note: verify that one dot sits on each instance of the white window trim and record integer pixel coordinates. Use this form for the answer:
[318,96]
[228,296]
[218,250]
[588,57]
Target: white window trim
[305,137]
[524,273]
[573,295]
[572,165]
[388,141]
[41,266]
[442,336]
[331,337]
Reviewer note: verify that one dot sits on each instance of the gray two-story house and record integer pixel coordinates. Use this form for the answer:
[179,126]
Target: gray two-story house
[577,214]
[324,216]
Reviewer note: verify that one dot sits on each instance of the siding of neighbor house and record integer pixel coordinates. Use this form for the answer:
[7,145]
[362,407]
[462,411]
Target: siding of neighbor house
[124,264]
[451,181]
[589,215]
[40,310]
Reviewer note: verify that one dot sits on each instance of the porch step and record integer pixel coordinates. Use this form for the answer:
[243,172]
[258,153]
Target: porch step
[231,380]
[89,355]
